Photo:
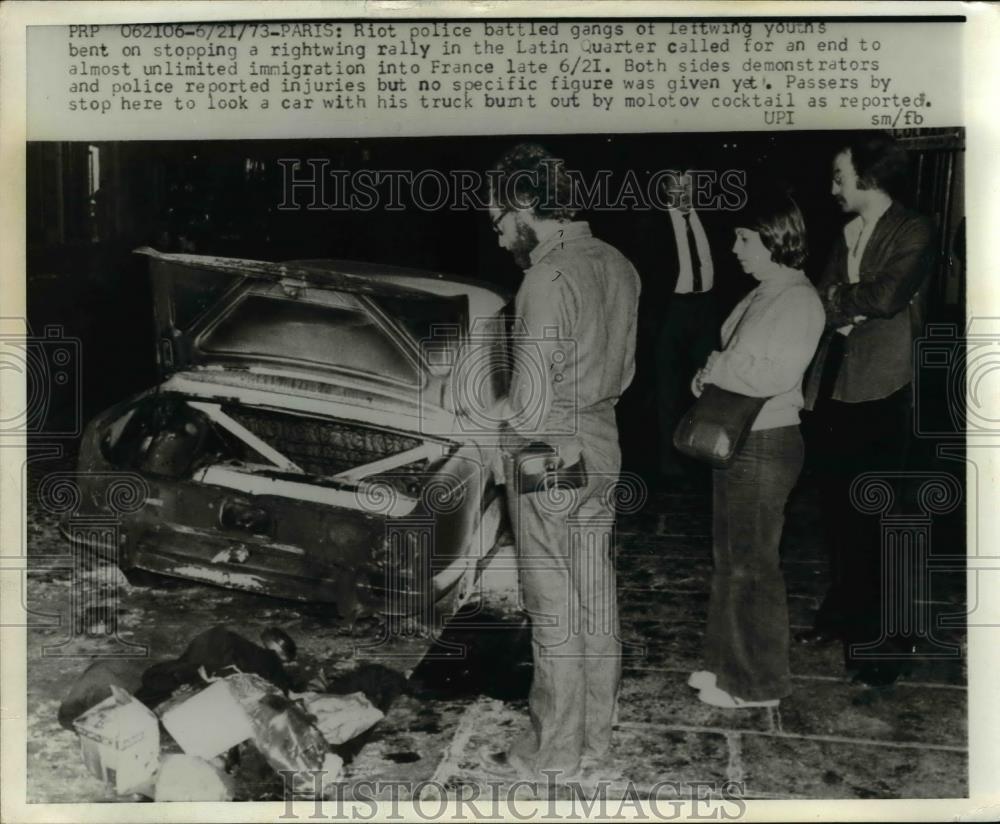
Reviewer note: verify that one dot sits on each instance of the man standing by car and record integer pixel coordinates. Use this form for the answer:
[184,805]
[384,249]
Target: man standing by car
[574,355]
[871,290]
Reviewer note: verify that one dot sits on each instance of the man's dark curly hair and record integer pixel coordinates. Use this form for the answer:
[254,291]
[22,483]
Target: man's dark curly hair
[776,217]
[879,161]
[529,177]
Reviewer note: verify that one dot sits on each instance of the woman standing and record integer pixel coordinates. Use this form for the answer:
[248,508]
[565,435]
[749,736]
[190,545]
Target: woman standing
[768,341]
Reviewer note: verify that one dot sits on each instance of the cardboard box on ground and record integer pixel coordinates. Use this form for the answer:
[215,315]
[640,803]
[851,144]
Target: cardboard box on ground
[120,741]
[208,723]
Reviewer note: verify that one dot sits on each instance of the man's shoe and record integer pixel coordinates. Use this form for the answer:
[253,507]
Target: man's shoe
[816,638]
[503,764]
[593,770]
[877,675]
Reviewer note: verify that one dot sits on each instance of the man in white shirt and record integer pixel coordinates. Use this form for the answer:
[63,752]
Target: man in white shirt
[689,330]
[871,290]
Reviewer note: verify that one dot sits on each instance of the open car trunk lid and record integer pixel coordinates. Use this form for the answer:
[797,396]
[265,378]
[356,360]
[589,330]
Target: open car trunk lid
[317,318]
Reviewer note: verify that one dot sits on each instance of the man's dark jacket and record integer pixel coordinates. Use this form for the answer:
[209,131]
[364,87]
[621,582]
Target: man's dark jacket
[893,275]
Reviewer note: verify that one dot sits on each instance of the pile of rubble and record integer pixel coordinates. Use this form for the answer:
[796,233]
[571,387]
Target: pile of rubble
[180,730]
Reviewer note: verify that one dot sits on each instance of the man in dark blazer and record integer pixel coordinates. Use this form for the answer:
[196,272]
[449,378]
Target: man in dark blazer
[872,290]
[688,324]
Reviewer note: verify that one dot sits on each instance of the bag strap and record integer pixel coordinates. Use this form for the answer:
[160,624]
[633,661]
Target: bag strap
[736,327]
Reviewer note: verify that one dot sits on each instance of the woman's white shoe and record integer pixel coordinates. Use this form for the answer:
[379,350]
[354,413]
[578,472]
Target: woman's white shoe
[702,679]
[720,698]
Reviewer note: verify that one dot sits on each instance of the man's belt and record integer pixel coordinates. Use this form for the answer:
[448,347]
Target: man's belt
[540,469]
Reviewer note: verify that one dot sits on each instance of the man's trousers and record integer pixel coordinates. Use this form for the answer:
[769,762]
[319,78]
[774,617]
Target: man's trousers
[564,544]
[860,437]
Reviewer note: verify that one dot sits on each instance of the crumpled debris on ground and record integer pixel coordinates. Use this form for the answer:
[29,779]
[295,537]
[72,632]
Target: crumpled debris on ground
[341,717]
[283,731]
[294,733]
[218,651]
[94,686]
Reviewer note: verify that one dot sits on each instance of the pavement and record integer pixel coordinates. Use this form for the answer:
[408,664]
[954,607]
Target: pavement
[829,739]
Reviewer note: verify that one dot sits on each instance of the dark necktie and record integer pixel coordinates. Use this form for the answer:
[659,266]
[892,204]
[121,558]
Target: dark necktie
[695,257]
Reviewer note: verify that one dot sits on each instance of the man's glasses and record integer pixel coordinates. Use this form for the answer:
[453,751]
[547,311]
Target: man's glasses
[497,219]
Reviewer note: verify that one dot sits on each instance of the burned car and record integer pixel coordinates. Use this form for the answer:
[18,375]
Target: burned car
[305,441]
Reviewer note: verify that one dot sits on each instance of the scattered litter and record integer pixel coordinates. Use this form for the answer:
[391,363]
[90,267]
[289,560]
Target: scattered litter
[210,722]
[341,717]
[223,691]
[120,741]
[188,778]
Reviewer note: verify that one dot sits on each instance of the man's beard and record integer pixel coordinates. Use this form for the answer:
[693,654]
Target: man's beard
[524,242]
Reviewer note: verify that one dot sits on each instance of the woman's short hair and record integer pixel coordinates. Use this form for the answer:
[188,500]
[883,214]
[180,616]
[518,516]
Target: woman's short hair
[528,176]
[776,217]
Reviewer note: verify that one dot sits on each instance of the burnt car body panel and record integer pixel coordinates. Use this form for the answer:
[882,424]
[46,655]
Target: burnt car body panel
[303,442]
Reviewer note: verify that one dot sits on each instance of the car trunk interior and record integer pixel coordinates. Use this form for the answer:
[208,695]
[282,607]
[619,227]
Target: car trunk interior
[174,437]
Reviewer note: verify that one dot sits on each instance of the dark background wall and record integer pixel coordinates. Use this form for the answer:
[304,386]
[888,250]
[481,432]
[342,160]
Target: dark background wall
[89,205]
